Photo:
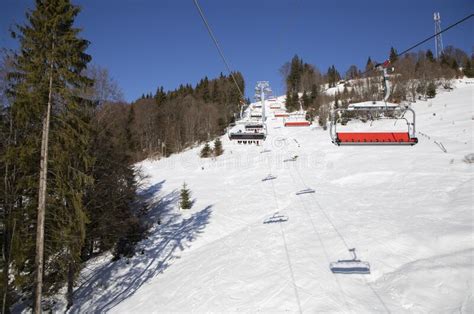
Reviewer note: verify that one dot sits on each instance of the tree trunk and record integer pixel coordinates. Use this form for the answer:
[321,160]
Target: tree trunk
[42,198]
[70,285]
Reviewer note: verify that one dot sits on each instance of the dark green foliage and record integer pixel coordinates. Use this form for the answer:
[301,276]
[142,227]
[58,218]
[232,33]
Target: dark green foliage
[306,100]
[185,198]
[333,76]
[468,70]
[369,66]
[90,187]
[393,55]
[431,90]
[429,55]
[49,39]
[218,150]
[206,151]
[185,116]
[160,96]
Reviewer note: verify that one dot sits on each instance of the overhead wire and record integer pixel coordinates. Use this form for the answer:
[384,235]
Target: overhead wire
[427,39]
[282,232]
[216,43]
[343,240]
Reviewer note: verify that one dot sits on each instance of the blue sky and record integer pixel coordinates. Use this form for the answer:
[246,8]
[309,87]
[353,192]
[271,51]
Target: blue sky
[147,43]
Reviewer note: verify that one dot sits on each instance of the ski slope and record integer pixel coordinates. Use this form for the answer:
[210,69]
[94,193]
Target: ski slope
[407,210]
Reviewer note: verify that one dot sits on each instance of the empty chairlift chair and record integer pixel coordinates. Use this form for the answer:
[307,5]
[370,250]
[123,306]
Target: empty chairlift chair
[296,120]
[380,110]
[350,266]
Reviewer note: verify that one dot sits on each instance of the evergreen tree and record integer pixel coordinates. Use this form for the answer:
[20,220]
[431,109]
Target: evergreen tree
[48,81]
[467,69]
[314,92]
[185,198]
[369,66]
[206,151]
[218,147]
[160,96]
[431,90]
[306,100]
[393,55]
[429,56]
[289,104]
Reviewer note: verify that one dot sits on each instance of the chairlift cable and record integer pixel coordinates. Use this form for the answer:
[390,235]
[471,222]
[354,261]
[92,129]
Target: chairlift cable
[321,242]
[216,43]
[436,34]
[427,39]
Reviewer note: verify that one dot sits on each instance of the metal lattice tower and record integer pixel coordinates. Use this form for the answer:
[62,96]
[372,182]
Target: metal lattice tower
[261,89]
[438,38]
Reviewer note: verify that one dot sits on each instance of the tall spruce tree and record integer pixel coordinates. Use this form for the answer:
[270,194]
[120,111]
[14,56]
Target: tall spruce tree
[185,197]
[50,117]
[393,55]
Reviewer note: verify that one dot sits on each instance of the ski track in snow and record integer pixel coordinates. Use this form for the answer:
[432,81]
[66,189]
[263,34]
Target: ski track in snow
[407,210]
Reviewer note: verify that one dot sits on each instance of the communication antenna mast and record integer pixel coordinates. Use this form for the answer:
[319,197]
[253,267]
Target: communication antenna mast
[438,38]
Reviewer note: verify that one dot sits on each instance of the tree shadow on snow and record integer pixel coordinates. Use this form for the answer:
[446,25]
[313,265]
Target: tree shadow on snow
[117,281]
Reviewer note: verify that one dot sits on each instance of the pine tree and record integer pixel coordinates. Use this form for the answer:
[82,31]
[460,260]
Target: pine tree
[160,96]
[50,116]
[393,55]
[185,197]
[206,151]
[429,56]
[306,100]
[467,69]
[289,104]
[431,90]
[369,65]
[218,147]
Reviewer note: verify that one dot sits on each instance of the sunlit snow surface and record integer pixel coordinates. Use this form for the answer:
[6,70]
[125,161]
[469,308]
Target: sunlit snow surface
[407,210]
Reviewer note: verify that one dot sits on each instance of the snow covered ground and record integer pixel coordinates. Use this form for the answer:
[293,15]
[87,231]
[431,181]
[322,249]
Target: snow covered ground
[407,210]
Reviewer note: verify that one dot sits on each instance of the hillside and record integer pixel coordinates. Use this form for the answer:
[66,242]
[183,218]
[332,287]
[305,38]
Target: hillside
[407,210]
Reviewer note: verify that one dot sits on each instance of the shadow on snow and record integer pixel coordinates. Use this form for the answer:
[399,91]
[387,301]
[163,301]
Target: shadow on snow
[121,279]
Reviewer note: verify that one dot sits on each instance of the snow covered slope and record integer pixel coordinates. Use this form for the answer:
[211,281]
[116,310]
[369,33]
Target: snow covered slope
[407,210]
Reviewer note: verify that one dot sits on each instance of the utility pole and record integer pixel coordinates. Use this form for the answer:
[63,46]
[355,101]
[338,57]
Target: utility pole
[39,260]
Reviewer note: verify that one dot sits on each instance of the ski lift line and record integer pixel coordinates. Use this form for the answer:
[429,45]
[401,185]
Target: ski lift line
[324,213]
[321,242]
[436,34]
[216,43]
[291,270]
[425,40]
[327,256]
[376,294]
[286,250]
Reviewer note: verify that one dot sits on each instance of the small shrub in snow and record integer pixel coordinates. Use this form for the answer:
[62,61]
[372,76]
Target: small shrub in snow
[431,90]
[206,151]
[185,202]
[218,147]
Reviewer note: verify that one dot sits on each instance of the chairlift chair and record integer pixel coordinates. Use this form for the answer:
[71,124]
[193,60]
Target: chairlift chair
[350,266]
[296,119]
[381,109]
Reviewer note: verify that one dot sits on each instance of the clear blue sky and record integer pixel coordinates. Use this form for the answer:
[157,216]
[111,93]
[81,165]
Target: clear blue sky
[146,43]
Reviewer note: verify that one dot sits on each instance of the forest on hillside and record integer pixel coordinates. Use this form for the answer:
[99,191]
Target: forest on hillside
[412,75]
[68,143]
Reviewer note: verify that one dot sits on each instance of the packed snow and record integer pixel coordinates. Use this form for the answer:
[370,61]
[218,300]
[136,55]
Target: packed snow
[254,245]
